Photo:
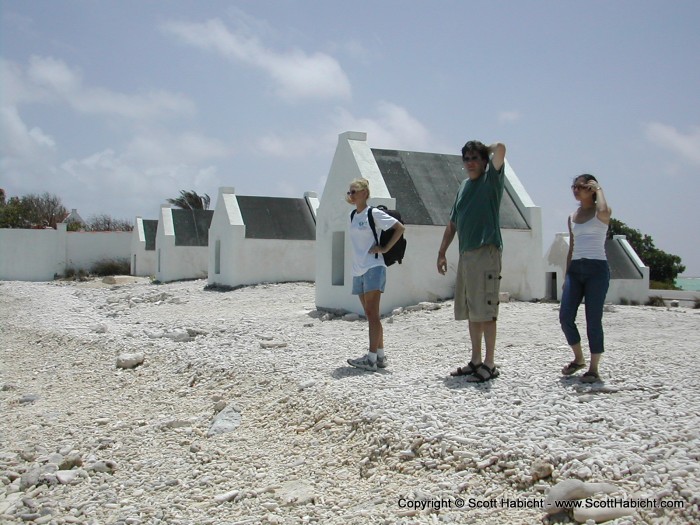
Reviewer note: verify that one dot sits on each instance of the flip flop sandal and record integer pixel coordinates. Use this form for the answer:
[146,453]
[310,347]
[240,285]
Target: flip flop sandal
[468,370]
[572,368]
[483,374]
[590,377]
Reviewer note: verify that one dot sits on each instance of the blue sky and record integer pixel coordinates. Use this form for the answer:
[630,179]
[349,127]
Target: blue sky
[116,106]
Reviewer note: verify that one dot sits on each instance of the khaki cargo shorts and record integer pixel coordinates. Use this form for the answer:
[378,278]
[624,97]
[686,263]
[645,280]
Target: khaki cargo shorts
[478,284]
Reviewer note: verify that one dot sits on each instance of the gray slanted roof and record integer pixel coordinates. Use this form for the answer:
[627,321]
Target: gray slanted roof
[425,186]
[279,218]
[150,227]
[621,265]
[192,227]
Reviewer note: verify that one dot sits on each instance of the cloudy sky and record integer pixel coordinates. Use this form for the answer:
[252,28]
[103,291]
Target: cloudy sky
[117,105]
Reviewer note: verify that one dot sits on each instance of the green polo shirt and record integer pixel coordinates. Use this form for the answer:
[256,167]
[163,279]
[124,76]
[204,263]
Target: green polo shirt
[476,210]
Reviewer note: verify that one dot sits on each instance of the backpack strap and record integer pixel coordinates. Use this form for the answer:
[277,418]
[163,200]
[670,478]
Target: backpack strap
[370,218]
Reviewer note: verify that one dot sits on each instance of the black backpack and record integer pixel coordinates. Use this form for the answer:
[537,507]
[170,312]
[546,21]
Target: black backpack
[397,250]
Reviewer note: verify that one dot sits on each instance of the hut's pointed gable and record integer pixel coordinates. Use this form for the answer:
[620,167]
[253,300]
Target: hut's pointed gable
[425,185]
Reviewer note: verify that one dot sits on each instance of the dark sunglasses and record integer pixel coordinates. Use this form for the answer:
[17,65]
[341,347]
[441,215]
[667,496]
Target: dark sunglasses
[353,192]
[579,187]
[470,159]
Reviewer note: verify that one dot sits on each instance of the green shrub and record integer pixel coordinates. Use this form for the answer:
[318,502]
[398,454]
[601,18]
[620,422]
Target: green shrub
[111,267]
[624,302]
[655,300]
[697,302]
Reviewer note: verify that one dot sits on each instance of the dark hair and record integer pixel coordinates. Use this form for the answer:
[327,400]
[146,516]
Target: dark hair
[587,177]
[474,146]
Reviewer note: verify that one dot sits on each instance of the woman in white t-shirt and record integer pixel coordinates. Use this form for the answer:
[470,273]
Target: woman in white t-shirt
[587,274]
[368,268]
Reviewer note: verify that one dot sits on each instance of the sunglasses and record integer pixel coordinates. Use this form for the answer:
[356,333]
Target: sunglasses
[470,159]
[353,192]
[579,187]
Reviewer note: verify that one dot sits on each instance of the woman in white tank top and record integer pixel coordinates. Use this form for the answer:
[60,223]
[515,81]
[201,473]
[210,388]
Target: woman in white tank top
[587,275]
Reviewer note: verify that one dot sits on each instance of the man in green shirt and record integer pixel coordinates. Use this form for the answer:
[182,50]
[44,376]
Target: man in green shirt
[475,218]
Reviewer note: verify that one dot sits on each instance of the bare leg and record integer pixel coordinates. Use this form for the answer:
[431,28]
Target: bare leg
[595,359]
[476,332]
[490,338]
[370,303]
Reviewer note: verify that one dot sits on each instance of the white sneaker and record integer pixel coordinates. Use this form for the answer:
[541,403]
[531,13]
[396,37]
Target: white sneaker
[363,363]
[382,362]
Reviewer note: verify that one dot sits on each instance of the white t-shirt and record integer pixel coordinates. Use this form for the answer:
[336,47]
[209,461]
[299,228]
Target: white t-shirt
[362,239]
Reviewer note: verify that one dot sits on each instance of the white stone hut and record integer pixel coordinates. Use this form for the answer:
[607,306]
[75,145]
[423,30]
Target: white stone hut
[74,218]
[262,239]
[629,278]
[182,240]
[422,186]
[143,247]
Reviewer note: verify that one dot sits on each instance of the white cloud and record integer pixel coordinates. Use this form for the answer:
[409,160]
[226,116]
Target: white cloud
[297,75]
[107,182]
[157,147]
[686,145]
[393,127]
[47,79]
[509,116]
[18,140]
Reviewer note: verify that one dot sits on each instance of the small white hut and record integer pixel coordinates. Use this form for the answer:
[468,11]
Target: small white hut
[262,239]
[143,247]
[422,186]
[182,239]
[629,278]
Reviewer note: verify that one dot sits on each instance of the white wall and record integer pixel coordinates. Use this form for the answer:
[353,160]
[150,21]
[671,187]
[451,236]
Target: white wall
[142,262]
[84,249]
[251,261]
[32,255]
[175,263]
[417,278]
[40,255]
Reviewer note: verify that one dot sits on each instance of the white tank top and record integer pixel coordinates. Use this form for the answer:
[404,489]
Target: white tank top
[589,239]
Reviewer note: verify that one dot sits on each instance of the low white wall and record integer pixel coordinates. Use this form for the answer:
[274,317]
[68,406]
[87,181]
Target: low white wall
[686,298]
[177,263]
[32,255]
[253,261]
[84,249]
[41,255]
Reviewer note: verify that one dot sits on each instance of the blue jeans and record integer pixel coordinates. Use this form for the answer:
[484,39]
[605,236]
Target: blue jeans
[589,279]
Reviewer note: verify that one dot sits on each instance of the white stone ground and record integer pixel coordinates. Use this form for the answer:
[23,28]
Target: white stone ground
[85,442]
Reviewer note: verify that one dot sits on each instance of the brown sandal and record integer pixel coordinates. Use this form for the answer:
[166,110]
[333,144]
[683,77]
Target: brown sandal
[572,368]
[483,374]
[468,370]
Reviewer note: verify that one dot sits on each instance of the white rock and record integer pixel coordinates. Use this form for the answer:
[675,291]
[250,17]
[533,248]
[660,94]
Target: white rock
[128,361]
[306,384]
[66,477]
[573,489]
[228,496]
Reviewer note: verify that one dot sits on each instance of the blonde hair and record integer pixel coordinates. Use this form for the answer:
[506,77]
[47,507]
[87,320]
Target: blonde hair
[360,184]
